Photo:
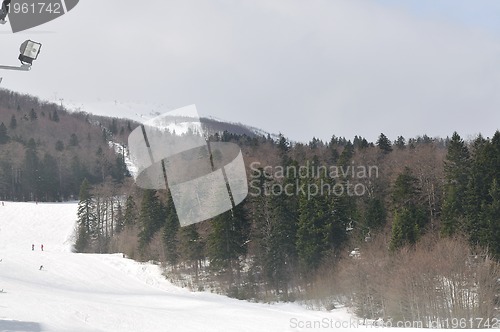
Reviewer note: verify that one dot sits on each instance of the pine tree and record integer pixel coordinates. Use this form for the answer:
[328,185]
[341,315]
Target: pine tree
[495,155]
[400,142]
[73,140]
[228,240]
[312,234]
[376,214]
[86,217]
[151,217]
[457,173]
[191,246]
[407,226]
[314,143]
[13,122]
[31,180]
[33,115]
[280,244]
[384,144]
[477,193]
[170,233]
[78,173]
[283,145]
[259,213]
[113,128]
[405,191]
[340,209]
[474,223]
[119,219]
[410,217]
[4,138]
[346,154]
[363,144]
[120,170]
[59,146]
[492,215]
[48,178]
[55,116]
[130,216]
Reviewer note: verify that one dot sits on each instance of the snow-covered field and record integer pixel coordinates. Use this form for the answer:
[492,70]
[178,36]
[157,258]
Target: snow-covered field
[90,292]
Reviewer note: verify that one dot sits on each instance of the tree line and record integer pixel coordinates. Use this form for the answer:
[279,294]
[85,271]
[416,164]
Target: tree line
[284,247]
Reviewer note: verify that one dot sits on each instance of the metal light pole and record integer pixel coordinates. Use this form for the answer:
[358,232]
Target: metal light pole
[23,67]
[29,52]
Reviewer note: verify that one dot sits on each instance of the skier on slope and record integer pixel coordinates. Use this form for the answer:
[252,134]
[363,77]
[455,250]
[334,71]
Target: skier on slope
[41,247]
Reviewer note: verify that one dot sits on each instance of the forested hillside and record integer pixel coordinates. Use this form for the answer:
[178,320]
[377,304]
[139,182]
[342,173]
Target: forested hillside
[46,152]
[402,227]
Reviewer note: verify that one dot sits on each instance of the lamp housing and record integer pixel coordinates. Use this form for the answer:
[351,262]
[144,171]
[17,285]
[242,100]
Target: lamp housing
[29,51]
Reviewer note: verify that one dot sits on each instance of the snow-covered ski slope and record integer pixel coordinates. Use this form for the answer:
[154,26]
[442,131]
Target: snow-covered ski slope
[91,292]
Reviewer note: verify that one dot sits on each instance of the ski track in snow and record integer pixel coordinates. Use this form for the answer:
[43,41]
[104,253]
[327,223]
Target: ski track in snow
[92,292]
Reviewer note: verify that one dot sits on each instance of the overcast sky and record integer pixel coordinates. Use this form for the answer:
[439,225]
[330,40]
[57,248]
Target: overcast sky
[301,67]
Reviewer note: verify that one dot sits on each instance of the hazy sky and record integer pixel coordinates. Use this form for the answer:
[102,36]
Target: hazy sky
[301,67]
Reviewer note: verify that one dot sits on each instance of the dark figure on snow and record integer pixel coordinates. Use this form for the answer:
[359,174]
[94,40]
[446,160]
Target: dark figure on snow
[32,247]
[4,10]
[41,247]
[41,267]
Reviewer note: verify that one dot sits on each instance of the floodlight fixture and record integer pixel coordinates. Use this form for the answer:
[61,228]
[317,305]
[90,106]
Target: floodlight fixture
[29,52]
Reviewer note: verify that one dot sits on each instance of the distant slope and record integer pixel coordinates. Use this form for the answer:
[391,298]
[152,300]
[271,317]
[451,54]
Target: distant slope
[92,292]
[141,112]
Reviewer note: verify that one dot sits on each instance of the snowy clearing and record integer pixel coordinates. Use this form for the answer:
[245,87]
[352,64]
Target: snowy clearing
[91,292]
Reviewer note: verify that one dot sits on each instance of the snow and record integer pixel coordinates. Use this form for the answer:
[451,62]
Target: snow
[92,292]
[119,149]
[137,111]
[179,121]
[142,112]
